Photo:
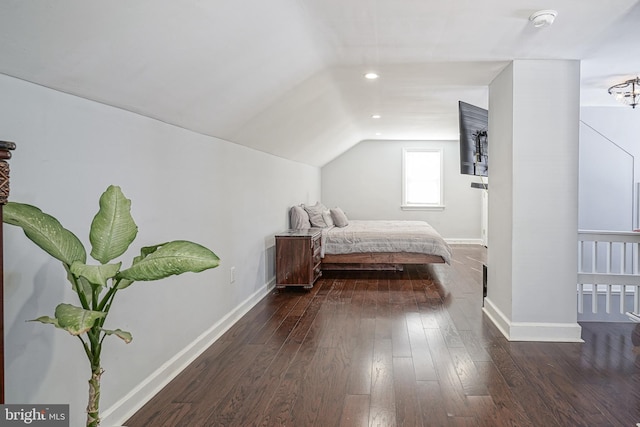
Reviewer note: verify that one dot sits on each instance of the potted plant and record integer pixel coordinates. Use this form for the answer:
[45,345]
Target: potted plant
[96,285]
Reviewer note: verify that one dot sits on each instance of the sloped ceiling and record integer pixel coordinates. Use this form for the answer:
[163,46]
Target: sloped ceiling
[285,76]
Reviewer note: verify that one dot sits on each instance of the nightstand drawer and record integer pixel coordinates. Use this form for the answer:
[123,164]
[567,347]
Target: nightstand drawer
[298,257]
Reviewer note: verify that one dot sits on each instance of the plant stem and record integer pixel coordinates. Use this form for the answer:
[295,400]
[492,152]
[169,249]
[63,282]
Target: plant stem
[93,408]
[77,287]
[107,298]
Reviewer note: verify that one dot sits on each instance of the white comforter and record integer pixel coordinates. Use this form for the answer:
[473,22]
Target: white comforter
[385,236]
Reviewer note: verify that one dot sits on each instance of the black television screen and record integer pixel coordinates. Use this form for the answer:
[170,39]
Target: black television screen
[474,152]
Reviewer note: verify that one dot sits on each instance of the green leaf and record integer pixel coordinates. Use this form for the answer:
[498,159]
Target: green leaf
[171,258]
[124,283]
[113,228]
[45,231]
[47,320]
[124,335]
[76,320]
[95,274]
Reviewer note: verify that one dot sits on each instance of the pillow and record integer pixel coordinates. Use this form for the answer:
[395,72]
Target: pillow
[299,218]
[339,218]
[326,216]
[315,214]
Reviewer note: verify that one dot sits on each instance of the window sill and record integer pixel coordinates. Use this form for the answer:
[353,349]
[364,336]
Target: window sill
[422,207]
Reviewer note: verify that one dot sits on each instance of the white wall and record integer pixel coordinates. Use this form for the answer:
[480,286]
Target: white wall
[534,123]
[366,182]
[183,185]
[500,200]
[609,147]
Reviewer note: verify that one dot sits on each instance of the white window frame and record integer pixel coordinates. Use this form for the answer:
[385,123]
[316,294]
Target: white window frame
[406,205]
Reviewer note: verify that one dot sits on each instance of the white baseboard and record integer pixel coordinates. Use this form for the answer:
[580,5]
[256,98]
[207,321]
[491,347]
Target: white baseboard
[126,407]
[532,331]
[457,241]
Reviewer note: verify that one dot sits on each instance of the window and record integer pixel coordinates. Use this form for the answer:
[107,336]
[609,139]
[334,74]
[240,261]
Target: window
[422,178]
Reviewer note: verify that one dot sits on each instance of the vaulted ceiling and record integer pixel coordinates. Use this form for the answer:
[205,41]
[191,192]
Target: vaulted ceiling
[286,76]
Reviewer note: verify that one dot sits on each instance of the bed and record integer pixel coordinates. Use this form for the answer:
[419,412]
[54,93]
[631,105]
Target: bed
[371,244]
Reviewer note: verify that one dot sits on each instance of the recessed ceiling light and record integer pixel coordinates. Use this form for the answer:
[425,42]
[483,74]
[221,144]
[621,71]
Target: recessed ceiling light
[376,116]
[371,76]
[378,133]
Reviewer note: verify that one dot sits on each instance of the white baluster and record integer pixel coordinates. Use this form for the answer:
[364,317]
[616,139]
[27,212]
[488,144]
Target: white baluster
[580,260]
[581,298]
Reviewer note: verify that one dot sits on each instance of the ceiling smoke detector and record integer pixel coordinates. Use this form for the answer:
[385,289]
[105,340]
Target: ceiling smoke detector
[543,18]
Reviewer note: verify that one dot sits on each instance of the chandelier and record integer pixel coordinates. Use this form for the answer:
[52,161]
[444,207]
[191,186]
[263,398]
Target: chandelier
[627,92]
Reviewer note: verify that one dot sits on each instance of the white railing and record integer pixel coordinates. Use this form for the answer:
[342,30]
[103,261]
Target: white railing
[608,268]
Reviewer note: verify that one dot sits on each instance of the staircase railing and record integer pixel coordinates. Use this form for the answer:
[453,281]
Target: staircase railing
[608,270]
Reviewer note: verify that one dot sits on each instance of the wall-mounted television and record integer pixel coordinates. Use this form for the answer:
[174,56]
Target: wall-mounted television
[474,149]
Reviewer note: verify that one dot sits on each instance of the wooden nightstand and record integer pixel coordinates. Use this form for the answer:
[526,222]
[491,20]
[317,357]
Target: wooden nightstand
[298,257]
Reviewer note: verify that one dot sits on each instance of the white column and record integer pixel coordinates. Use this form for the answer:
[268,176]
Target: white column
[533,200]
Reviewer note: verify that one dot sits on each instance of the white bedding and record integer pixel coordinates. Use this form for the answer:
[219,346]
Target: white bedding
[385,236]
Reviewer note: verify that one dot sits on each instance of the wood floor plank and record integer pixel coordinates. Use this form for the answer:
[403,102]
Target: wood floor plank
[473,383]
[474,346]
[548,382]
[507,409]
[422,360]
[401,347]
[535,404]
[313,387]
[486,412]
[408,412]
[410,348]
[585,396]
[279,407]
[432,407]
[455,400]
[219,371]
[355,412]
[253,383]
[332,403]
[251,409]
[362,359]
[265,331]
[306,322]
[383,401]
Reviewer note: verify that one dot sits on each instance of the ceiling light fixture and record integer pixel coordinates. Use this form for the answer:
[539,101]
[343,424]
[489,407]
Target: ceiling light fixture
[371,76]
[376,116]
[627,92]
[543,18]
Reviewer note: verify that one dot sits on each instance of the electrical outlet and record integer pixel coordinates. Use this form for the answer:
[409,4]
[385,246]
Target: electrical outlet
[232,275]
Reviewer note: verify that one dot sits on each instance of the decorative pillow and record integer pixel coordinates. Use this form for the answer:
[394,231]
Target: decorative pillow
[315,214]
[339,217]
[299,218]
[326,216]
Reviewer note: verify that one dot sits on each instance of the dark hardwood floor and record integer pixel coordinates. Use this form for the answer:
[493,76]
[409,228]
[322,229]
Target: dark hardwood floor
[399,349]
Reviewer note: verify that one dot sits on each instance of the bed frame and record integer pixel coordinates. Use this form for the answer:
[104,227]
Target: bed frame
[377,261]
